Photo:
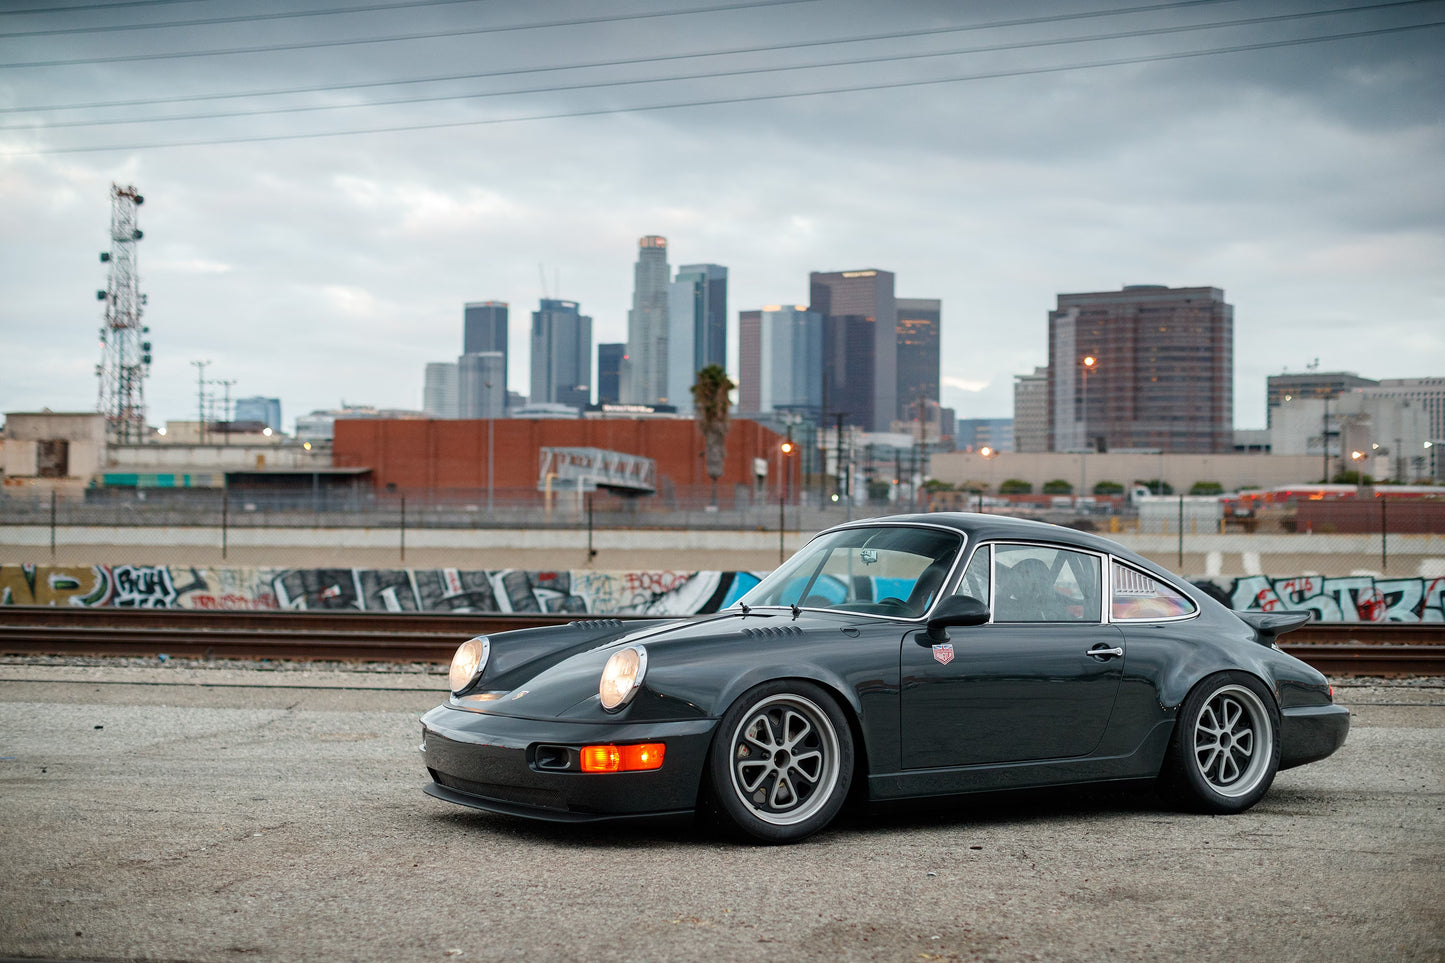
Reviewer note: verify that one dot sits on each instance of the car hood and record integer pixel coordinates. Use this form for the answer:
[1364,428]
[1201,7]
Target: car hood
[553,673]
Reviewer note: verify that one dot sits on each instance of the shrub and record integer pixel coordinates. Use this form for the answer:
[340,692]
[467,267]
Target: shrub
[1015,486]
[1108,488]
[1058,486]
[1155,486]
[1206,488]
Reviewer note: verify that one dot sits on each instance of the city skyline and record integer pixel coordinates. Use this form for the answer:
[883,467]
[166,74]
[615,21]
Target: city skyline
[324,267]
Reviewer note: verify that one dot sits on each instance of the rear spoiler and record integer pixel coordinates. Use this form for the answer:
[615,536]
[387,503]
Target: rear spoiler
[1268,626]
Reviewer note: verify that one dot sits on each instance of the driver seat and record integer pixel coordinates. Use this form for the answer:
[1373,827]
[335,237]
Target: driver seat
[928,584]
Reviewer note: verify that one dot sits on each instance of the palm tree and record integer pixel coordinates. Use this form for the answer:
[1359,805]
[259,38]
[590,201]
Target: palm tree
[711,402]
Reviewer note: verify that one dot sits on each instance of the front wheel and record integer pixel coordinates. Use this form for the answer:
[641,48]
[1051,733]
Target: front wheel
[781,762]
[1225,749]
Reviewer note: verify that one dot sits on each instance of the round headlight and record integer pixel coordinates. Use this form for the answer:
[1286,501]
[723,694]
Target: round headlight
[621,677]
[468,662]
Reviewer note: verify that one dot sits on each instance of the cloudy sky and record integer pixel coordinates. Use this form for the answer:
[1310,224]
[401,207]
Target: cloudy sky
[324,192]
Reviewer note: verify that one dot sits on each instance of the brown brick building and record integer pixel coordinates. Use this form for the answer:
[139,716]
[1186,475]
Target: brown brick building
[421,456]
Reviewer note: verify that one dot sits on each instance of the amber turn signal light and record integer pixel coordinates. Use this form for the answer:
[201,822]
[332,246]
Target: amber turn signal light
[638,758]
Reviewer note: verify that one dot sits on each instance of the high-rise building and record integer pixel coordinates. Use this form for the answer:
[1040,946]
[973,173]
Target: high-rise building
[919,320]
[265,411]
[860,346]
[697,309]
[1147,367]
[780,360]
[482,385]
[1031,411]
[1308,384]
[610,358]
[484,328]
[439,396]
[561,355]
[645,374]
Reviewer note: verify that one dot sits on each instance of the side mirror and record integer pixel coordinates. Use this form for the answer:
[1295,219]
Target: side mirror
[957,610]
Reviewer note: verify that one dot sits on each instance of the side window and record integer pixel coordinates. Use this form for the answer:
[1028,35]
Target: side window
[1037,584]
[1139,596]
[976,577]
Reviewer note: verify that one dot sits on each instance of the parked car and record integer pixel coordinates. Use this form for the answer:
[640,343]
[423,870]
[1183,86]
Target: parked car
[917,655]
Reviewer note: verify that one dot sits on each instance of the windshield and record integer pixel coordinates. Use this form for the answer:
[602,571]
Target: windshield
[887,570]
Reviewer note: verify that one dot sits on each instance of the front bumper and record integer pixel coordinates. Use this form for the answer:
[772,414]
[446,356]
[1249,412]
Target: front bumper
[490,762]
[1308,733]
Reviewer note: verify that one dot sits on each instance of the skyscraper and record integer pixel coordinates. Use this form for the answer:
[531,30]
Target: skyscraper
[697,308]
[484,328]
[780,359]
[609,372]
[266,411]
[561,354]
[481,385]
[860,345]
[1031,411]
[1146,367]
[919,322]
[439,390]
[647,335]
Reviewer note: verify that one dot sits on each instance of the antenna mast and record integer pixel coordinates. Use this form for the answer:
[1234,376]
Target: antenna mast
[125,355]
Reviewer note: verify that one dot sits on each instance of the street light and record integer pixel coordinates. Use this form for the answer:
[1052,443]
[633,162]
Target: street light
[785,451]
[1087,365]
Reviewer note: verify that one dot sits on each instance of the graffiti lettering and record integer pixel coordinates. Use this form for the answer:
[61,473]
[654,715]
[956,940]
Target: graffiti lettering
[1351,598]
[142,587]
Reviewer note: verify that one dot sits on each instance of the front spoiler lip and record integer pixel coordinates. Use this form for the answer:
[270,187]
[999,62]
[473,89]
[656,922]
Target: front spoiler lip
[504,808]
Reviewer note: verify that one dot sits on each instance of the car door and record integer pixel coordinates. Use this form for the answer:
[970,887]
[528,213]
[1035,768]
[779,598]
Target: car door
[1038,681]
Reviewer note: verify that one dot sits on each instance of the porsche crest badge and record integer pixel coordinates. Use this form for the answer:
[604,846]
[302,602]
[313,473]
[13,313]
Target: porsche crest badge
[943,654]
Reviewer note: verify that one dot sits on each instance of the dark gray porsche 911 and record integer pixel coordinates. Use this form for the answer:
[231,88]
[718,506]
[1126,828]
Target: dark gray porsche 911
[917,655]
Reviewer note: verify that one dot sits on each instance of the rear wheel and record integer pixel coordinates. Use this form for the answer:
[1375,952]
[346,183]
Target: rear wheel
[781,762]
[1225,749]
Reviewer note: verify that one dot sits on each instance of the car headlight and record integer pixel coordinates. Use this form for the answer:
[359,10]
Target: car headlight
[468,662]
[621,677]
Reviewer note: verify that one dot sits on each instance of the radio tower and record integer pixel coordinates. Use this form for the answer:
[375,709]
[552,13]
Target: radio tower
[125,357]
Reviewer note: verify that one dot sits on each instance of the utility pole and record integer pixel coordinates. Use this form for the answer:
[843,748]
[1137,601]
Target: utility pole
[201,398]
[226,405]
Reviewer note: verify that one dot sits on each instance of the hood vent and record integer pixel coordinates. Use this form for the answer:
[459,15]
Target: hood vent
[596,624]
[773,632]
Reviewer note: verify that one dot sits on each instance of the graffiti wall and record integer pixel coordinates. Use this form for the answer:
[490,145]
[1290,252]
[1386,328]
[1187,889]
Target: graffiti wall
[1351,598]
[373,589]
[1354,598]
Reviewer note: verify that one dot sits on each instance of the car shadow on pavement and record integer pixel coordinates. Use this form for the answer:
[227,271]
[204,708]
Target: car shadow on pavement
[974,810]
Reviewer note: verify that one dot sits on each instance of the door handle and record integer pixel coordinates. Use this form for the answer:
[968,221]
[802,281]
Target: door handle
[1099,651]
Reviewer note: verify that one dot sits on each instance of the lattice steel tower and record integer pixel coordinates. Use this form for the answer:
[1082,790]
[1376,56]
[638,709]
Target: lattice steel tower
[125,354]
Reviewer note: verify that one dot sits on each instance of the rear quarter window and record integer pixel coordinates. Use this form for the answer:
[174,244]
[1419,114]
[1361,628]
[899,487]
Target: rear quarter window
[1137,597]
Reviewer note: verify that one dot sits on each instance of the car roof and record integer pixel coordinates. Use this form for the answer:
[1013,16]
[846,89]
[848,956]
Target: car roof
[983,527]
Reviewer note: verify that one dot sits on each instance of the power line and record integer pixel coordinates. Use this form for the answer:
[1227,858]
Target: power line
[433,35]
[737,72]
[750,98]
[250,18]
[631,61]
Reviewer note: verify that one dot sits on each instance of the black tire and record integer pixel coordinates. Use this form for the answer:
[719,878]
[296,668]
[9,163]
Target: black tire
[781,762]
[1225,749]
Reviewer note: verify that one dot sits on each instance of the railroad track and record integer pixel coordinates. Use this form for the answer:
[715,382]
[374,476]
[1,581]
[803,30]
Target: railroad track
[1386,649]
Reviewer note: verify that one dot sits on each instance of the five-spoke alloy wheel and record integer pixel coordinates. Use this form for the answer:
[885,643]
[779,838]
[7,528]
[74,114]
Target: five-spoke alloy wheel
[782,761]
[1225,749]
